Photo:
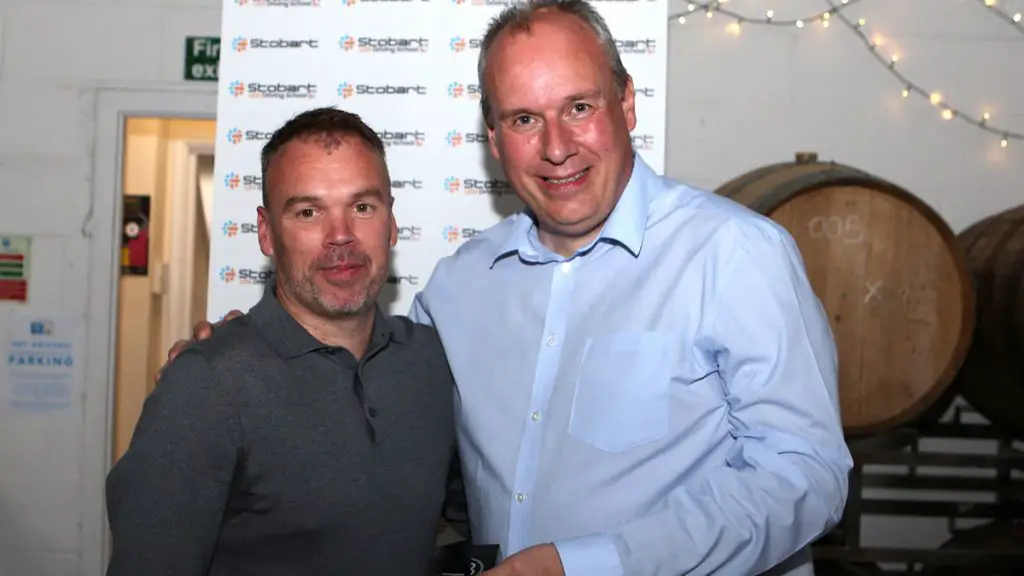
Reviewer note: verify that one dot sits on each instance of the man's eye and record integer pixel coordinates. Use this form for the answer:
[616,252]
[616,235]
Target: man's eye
[364,207]
[307,213]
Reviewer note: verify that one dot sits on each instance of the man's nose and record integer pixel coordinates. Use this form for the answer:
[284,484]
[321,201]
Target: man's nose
[559,143]
[339,229]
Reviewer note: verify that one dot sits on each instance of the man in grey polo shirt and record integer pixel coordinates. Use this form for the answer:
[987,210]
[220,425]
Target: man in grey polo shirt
[313,435]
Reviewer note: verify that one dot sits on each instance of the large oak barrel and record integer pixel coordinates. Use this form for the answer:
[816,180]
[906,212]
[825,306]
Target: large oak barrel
[992,376]
[889,272]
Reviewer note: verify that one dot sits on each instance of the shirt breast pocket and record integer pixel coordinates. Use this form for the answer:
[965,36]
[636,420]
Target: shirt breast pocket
[621,399]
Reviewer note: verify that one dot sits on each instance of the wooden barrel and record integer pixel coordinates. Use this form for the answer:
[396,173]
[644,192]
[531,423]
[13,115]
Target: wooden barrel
[992,376]
[994,536]
[889,272]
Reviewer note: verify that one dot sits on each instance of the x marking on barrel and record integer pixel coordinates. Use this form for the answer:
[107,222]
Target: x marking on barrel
[873,291]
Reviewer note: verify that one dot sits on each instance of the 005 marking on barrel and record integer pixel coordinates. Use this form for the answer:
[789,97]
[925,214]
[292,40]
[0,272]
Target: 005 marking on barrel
[835,227]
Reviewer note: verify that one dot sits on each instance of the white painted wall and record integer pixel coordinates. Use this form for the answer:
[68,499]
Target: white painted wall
[737,102]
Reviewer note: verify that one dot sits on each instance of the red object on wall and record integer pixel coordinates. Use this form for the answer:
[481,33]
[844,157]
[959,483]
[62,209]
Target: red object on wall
[135,236]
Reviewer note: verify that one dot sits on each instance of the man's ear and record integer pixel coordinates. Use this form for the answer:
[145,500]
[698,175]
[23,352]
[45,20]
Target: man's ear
[629,103]
[264,232]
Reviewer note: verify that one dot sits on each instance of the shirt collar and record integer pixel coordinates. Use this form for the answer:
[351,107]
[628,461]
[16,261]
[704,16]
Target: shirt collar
[625,225]
[289,339]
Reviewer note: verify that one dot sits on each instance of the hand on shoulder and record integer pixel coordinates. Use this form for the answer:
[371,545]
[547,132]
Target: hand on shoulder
[201,331]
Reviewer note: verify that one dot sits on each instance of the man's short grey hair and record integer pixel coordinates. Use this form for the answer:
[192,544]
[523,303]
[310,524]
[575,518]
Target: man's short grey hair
[518,17]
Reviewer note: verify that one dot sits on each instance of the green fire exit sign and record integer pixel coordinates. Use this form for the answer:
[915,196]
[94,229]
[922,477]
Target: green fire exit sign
[202,54]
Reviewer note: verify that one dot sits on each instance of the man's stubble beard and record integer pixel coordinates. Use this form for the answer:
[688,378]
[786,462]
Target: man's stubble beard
[302,288]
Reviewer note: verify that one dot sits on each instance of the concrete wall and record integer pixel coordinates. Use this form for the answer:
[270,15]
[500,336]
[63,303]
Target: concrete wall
[736,102]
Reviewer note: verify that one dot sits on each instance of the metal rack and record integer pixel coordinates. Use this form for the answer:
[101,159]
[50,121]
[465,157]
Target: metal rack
[903,448]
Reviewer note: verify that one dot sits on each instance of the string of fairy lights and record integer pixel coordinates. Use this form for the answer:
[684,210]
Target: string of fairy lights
[1016,19]
[873,43]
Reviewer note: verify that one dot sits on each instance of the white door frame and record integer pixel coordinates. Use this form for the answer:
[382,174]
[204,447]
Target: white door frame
[113,107]
[176,306]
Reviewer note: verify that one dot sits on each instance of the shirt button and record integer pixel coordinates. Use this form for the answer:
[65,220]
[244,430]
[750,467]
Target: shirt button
[552,339]
[566,267]
[372,412]
[535,416]
[520,497]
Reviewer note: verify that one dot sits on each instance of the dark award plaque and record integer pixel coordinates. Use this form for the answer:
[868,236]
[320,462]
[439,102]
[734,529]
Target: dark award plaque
[464,559]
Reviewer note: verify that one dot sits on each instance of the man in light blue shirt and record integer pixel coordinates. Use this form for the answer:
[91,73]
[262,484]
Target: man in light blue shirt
[647,384]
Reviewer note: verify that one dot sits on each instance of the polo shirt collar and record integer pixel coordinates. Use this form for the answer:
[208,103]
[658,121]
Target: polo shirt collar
[625,225]
[289,339]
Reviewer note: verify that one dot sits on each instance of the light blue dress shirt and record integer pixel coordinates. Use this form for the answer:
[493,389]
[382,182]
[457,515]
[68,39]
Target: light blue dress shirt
[663,402]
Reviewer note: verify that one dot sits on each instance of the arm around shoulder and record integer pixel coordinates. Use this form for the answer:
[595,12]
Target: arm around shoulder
[166,495]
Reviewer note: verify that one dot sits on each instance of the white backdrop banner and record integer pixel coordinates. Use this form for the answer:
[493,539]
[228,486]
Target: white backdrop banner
[408,67]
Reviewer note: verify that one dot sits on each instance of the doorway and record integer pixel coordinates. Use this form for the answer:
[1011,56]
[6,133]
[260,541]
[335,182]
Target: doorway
[166,190]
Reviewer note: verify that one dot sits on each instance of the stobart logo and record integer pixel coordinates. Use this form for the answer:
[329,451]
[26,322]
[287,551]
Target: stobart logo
[501,3]
[227,274]
[402,137]
[456,138]
[278,91]
[458,90]
[351,3]
[385,44]
[241,43]
[641,46]
[489,186]
[459,44]
[234,181]
[230,229]
[454,234]
[282,3]
[643,141]
[246,276]
[348,90]
[237,136]
[452,184]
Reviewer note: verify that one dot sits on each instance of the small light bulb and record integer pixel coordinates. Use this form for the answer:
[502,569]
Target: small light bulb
[845,1]
[990,2]
[861,22]
[906,92]
[709,13]
[877,40]
[826,15]
[824,24]
[799,23]
[770,14]
[1004,142]
[895,58]
[935,98]
[682,19]
[733,28]
[1017,17]
[947,114]
[691,7]
[986,116]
